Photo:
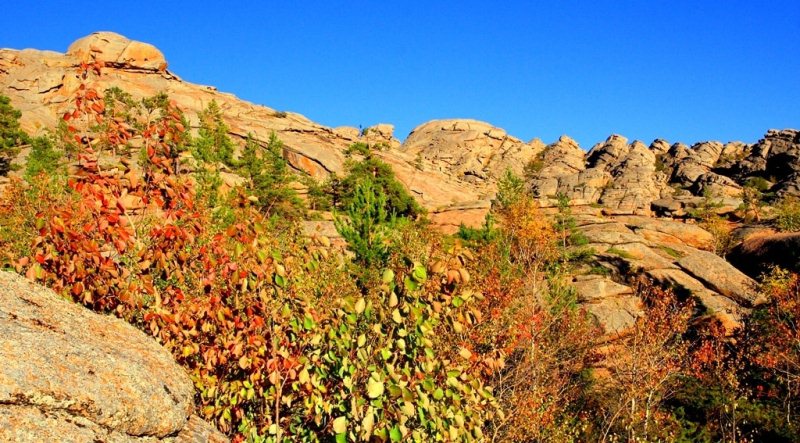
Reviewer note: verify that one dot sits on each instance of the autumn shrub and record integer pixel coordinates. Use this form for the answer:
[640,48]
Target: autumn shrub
[771,343]
[532,340]
[642,370]
[24,208]
[278,339]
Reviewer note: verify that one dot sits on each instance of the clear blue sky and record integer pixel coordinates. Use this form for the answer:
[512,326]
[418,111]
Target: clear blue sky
[680,70]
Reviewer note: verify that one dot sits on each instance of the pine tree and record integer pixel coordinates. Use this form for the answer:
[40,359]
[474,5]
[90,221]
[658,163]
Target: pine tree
[213,143]
[366,228]
[270,177]
[11,136]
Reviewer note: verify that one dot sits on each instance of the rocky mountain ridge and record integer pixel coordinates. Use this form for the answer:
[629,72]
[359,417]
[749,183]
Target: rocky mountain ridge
[450,166]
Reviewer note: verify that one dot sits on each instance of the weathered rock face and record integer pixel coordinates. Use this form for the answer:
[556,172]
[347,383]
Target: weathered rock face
[450,166]
[472,154]
[471,150]
[118,51]
[670,180]
[667,252]
[71,375]
[776,156]
[620,176]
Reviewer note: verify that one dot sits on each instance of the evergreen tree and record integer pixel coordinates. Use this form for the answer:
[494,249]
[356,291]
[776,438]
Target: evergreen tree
[213,143]
[43,157]
[399,201]
[11,136]
[270,177]
[366,228]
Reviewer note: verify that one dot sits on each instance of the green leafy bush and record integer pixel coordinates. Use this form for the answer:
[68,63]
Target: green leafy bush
[398,201]
[787,212]
[43,158]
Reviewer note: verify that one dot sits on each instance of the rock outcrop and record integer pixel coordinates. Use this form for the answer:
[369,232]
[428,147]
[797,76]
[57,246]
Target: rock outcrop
[471,150]
[41,84]
[68,374]
[619,176]
[668,252]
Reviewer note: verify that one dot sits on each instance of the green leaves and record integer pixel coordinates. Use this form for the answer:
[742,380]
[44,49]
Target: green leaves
[367,225]
[395,433]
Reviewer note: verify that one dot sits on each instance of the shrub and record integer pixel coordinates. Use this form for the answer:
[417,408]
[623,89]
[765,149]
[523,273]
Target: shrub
[43,158]
[535,165]
[787,212]
[647,364]
[758,183]
[479,236]
[359,148]
[399,202]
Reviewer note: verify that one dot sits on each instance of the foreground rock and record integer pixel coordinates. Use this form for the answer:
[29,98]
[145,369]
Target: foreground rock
[69,374]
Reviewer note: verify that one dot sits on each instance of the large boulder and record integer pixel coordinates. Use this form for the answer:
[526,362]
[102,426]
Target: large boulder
[758,253]
[69,374]
[116,50]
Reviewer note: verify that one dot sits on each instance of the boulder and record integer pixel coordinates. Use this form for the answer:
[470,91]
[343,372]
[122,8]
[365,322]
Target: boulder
[69,374]
[118,51]
[722,277]
[760,252]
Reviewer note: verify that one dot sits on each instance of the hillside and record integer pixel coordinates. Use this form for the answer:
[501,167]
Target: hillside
[288,264]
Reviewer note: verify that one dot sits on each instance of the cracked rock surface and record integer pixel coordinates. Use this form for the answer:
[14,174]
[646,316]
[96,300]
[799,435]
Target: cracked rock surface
[69,374]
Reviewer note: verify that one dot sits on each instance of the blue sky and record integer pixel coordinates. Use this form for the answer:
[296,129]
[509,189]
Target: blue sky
[680,70]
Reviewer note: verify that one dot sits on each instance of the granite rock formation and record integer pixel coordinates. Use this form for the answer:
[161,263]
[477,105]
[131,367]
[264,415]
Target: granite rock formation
[69,374]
